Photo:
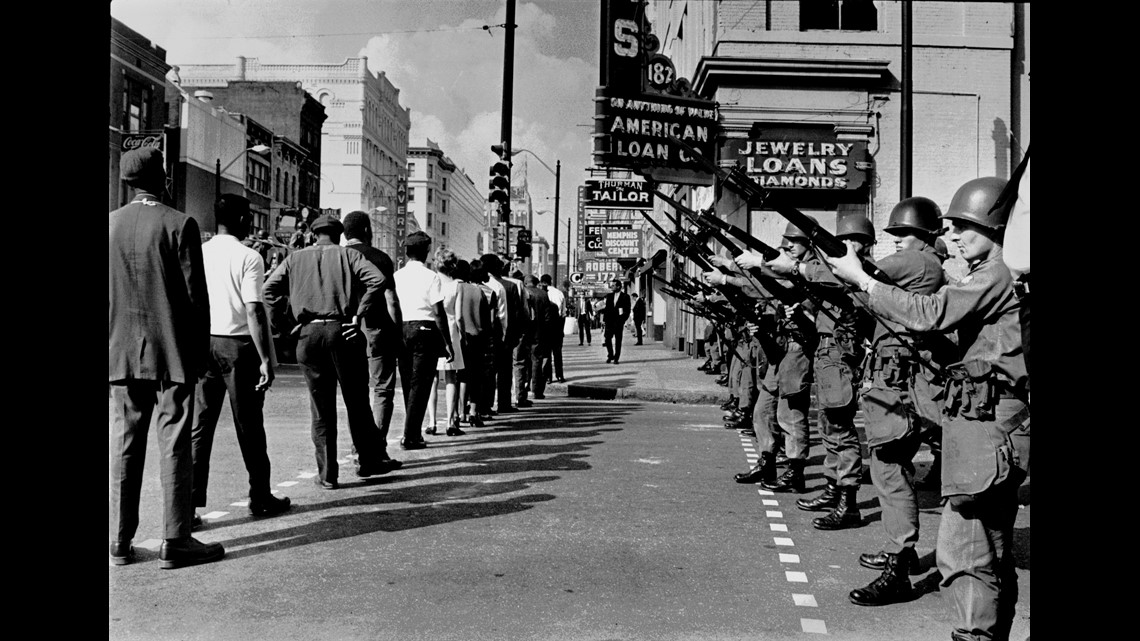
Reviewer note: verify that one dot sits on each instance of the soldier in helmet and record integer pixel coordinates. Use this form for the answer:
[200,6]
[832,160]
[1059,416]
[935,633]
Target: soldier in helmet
[841,327]
[985,427]
[793,381]
[898,400]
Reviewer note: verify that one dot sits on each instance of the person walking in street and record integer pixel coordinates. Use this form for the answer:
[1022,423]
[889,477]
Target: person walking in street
[614,315]
[638,317]
[557,334]
[585,319]
[382,327]
[158,345]
[241,357]
[329,290]
[446,264]
[986,423]
[426,335]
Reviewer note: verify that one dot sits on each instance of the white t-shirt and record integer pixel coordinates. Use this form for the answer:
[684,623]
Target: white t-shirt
[418,289]
[558,298]
[234,276]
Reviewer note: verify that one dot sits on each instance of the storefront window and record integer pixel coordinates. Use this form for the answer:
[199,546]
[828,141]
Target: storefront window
[843,15]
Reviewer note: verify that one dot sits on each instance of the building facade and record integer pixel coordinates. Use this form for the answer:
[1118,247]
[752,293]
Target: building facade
[137,103]
[811,96]
[364,140]
[444,201]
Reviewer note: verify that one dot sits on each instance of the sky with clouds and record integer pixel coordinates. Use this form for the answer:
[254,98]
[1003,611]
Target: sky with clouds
[448,68]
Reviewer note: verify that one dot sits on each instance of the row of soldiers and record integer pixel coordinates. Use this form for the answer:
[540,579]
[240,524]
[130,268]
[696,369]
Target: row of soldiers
[927,360]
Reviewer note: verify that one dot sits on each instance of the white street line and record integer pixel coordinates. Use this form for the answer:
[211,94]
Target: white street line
[789,558]
[306,475]
[240,504]
[770,502]
[805,600]
[764,492]
[778,527]
[286,483]
[214,515]
[773,514]
[780,540]
[813,625]
[796,577]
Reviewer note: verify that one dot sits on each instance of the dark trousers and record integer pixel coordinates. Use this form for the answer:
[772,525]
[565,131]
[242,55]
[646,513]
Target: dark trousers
[522,356]
[234,367]
[555,358]
[539,364]
[327,358]
[613,339]
[474,372]
[637,323]
[504,374]
[382,364]
[134,403]
[418,373]
[584,328]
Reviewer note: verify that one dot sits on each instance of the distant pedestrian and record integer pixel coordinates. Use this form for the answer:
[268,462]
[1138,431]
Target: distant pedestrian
[241,357]
[159,340]
[585,319]
[638,317]
[426,335]
[330,289]
[615,313]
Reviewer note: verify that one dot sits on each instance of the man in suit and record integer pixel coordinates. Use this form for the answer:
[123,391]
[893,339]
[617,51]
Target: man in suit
[614,315]
[513,329]
[638,316]
[154,361]
[585,319]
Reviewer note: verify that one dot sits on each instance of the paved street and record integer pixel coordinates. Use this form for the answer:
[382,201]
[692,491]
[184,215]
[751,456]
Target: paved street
[575,519]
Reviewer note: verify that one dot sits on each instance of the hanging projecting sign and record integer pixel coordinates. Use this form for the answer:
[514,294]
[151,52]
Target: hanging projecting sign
[801,158]
[618,194]
[621,243]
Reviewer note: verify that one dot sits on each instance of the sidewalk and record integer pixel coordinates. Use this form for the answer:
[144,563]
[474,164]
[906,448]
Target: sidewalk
[649,372]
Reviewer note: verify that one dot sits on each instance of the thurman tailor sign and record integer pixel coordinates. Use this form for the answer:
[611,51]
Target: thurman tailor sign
[618,194]
[634,131]
[621,243]
[801,158]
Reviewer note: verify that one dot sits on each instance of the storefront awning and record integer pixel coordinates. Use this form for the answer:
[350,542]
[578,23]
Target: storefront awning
[653,263]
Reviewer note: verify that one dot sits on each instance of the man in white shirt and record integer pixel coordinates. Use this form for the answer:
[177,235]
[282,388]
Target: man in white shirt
[426,337]
[241,357]
[502,312]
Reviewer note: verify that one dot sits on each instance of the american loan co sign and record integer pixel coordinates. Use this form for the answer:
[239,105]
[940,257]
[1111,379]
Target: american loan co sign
[801,159]
[635,132]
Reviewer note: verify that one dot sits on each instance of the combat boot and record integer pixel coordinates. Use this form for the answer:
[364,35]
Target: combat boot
[723,380]
[826,500]
[791,480]
[744,420]
[878,560]
[730,404]
[845,514]
[764,471]
[706,366]
[892,586]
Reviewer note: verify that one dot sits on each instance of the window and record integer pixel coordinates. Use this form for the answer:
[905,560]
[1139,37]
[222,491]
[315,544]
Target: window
[257,176]
[443,229]
[431,173]
[430,190]
[444,184]
[429,220]
[277,189]
[442,206]
[411,169]
[844,15]
[136,106]
[411,195]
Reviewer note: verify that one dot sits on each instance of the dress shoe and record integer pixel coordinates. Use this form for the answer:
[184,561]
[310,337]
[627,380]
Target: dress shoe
[476,421]
[269,505]
[430,430]
[392,463]
[825,502]
[792,480]
[638,343]
[328,485]
[524,403]
[615,361]
[892,586]
[179,553]
[455,431]
[413,445]
[374,469]
[122,553]
[195,522]
[878,560]
[730,404]
[748,431]
[846,512]
[609,359]
[765,470]
[561,380]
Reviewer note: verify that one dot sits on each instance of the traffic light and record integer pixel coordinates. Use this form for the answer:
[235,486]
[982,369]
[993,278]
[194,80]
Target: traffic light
[500,184]
[522,245]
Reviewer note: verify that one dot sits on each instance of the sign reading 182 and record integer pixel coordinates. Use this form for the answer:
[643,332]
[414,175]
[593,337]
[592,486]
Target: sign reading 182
[660,71]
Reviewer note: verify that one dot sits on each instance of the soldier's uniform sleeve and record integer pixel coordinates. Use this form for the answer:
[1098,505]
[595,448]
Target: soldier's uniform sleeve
[976,294]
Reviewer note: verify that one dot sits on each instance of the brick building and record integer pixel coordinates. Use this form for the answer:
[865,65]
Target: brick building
[137,104]
[810,95]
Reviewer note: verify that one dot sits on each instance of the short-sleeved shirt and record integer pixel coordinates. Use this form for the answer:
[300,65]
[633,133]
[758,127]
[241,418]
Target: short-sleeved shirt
[418,289]
[234,276]
[558,298]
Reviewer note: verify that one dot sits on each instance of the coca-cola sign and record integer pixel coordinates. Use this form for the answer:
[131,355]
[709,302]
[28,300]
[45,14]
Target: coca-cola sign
[140,140]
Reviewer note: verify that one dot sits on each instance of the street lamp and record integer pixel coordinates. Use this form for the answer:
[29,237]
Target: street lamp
[260,150]
[557,187]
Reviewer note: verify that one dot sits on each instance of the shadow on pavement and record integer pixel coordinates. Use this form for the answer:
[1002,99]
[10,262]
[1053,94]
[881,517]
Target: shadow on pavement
[511,445]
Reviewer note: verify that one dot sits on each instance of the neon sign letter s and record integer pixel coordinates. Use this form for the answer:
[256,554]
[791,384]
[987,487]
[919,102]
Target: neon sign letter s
[625,36]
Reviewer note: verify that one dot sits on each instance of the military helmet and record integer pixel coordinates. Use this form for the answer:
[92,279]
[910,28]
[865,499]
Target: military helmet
[974,202]
[855,226]
[795,232]
[915,213]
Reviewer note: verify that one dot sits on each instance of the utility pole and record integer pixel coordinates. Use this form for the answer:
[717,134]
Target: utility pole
[508,97]
[557,190]
[906,148]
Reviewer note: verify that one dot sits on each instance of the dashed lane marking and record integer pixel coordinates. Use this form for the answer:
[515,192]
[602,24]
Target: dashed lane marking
[214,515]
[813,626]
[773,514]
[805,600]
[778,527]
[796,577]
[764,492]
[770,502]
[286,483]
[784,541]
[150,544]
[789,558]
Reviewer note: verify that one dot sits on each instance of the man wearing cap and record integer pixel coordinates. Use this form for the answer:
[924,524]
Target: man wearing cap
[902,383]
[426,335]
[383,326]
[329,289]
[241,356]
[985,427]
[158,345]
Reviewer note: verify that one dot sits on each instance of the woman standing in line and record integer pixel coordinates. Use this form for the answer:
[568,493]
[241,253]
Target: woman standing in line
[446,263]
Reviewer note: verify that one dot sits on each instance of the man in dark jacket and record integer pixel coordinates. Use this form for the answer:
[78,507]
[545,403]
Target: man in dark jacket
[545,318]
[159,340]
[614,316]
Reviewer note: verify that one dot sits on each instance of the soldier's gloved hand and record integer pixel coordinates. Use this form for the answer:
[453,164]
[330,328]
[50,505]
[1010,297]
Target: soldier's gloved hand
[721,261]
[849,268]
[715,278]
[783,264]
[749,259]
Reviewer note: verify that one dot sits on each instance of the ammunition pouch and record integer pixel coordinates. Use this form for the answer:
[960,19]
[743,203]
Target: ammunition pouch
[794,374]
[835,378]
[977,455]
[971,391]
[887,413]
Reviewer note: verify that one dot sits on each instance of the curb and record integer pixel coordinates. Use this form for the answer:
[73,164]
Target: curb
[601,392]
